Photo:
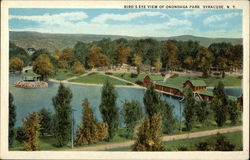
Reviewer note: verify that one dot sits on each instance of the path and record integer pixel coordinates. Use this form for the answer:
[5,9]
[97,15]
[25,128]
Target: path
[165,138]
[71,78]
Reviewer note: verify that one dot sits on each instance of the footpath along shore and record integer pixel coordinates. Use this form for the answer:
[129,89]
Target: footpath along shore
[103,147]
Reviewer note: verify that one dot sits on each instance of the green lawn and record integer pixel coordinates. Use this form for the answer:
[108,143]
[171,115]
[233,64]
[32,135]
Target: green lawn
[96,78]
[140,77]
[62,74]
[234,138]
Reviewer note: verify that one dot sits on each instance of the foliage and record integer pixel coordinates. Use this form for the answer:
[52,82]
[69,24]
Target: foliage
[149,135]
[122,54]
[62,126]
[78,68]
[203,61]
[109,109]
[80,52]
[20,137]
[16,64]
[203,146]
[45,121]
[171,53]
[96,58]
[233,111]
[189,109]
[169,121]
[189,61]
[132,115]
[151,100]
[66,58]
[31,132]
[220,104]
[90,131]
[12,119]
[202,111]
[222,144]
[137,63]
[158,64]
[43,66]
[18,52]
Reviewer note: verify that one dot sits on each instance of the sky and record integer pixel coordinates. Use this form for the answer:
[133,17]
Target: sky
[129,22]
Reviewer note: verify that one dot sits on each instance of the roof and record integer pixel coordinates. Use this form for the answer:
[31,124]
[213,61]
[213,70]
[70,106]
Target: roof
[207,93]
[155,77]
[170,85]
[197,83]
[30,74]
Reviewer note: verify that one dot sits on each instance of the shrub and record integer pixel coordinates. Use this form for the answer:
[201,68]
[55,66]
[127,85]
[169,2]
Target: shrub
[133,75]
[174,75]
[139,82]
[20,135]
[182,148]
[163,74]
[216,73]
[203,146]
[108,73]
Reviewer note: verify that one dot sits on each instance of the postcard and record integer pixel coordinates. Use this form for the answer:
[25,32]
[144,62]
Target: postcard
[124,79]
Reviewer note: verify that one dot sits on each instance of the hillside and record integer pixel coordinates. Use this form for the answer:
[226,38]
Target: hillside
[60,41]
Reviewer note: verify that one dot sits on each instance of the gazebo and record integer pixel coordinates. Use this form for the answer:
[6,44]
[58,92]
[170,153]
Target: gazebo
[31,76]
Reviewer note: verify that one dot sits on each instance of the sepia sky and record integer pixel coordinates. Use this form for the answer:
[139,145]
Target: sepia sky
[130,22]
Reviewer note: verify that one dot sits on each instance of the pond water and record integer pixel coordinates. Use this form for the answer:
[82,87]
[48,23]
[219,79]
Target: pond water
[32,100]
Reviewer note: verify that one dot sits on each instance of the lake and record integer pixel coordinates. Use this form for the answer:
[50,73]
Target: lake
[32,100]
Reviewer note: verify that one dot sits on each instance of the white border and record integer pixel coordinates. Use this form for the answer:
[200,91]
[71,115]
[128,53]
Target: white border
[114,155]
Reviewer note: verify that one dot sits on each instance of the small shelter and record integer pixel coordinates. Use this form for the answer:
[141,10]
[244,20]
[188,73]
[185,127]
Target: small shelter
[31,76]
[150,79]
[195,85]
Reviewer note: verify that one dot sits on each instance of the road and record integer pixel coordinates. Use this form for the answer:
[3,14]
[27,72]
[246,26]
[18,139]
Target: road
[165,138]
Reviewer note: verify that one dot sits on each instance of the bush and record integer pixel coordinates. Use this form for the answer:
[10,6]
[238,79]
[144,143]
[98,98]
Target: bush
[122,75]
[20,137]
[108,73]
[182,149]
[139,82]
[203,146]
[174,75]
[133,75]
[216,73]
[163,74]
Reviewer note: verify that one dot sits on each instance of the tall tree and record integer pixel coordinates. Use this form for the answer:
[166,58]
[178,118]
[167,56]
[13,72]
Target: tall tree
[88,132]
[31,127]
[220,104]
[171,53]
[168,119]
[189,110]
[149,135]
[122,54]
[45,121]
[96,58]
[109,109]
[202,111]
[63,111]
[12,119]
[203,61]
[137,63]
[80,52]
[43,66]
[158,64]
[66,58]
[16,64]
[233,111]
[189,61]
[132,115]
[151,100]
[223,65]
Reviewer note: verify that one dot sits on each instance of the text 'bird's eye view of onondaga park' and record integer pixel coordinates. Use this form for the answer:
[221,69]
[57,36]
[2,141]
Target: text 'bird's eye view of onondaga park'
[125,79]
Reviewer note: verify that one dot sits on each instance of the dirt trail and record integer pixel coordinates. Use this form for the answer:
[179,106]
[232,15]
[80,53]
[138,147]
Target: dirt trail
[165,138]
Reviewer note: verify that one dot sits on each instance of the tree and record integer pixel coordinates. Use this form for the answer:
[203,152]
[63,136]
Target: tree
[149,135]
[89,131]
[202,111]
[158,64]
[137,63]
[63,119]
[222,144]
[66,58]
[16,64]
[189,111]
[222,63]
[203,146]
[18,52]
[31,132]
[122,54]
[203,61]
[168,119]
[151,100]
[189,61]
[96,58]
[12,119]
[80,52]
[233,111]
[171,53]
[43,66]
[132,115]
[220,104]
[45,121]
[109,109]
[78,68]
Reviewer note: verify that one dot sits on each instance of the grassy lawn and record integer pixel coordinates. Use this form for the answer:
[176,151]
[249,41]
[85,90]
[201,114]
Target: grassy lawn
[97,78]
[140,77]
[63,74]
[234,138]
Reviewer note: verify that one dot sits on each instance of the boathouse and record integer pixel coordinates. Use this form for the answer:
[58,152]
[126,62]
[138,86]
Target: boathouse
[195,85]
[150,79]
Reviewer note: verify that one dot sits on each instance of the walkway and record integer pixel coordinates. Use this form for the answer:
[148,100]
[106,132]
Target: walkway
[165,138]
